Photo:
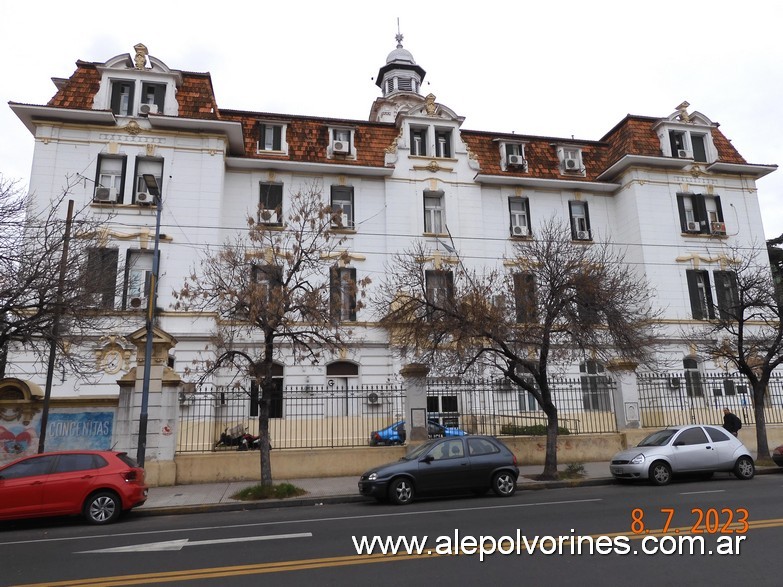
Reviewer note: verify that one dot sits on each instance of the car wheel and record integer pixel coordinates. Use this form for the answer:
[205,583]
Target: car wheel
[660,473]
[744,468]
[504,484]
[102,508]
[401,491]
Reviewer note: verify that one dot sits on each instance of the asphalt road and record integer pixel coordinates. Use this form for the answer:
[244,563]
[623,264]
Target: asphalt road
[315,545]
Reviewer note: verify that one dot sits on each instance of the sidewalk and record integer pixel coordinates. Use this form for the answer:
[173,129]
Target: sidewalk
[217,496]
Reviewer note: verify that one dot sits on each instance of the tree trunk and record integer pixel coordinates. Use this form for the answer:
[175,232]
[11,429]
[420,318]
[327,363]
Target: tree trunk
[761,420]
[550,460]
[263,430]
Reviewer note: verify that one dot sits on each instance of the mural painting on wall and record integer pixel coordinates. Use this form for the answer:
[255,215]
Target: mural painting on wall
[20,425]
[65,431]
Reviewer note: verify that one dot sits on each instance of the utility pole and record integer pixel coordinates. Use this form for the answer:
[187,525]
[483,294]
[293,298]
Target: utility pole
[55,334]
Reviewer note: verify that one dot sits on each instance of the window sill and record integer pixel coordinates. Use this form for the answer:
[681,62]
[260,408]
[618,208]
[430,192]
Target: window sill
[342,230]
[281,153]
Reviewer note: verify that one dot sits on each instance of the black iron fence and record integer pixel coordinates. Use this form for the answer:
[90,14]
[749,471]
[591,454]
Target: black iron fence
[309,416]
[501,408]
[694,397]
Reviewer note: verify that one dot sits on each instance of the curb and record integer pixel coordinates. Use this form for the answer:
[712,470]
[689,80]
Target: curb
[238,506]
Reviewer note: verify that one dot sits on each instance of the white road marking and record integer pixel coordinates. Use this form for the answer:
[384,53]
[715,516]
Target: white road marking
[180,544]
[306,521]
[700,492]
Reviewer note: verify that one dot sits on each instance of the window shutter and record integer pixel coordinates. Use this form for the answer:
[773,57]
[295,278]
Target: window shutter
[726,292]
[160,97]
[352,293]
[699,151]
[693,292]
[524,297]
[700,212]
[573,222]
[334,292]
[719,208]
[527,214]
[277,138]
[261,135]
[587,216]
[681,208]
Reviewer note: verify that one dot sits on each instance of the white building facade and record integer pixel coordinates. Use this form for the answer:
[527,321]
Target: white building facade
[671,190]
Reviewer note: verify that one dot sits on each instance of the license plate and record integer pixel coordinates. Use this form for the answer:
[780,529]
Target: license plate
[617,470]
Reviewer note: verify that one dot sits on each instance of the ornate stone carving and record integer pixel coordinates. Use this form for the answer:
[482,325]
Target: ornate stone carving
[430,105]
[140,61]
[132,128]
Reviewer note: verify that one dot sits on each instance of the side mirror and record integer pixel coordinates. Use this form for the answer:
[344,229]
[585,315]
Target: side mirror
[679,443]
[427,459]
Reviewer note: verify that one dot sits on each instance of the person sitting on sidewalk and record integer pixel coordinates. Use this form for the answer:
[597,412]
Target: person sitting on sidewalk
[731,422]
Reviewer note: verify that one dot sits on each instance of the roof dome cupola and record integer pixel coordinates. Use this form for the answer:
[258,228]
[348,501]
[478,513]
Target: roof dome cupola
[400,74]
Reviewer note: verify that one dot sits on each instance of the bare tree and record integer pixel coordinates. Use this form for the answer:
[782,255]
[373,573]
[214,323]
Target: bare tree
[31,245]
[279,284]
[745,330]
[556,301]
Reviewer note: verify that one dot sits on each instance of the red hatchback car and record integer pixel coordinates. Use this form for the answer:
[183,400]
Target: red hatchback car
[100,485]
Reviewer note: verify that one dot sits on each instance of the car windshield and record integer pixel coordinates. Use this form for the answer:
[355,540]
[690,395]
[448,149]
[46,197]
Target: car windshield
[658,438]
[418,451]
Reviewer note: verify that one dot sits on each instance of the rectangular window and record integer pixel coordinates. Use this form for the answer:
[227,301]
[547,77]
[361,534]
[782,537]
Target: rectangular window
[433,212]
[266,291]
[154,95]
[514,156]
[580,221]
[443,143]
[679,144]
[571,160]
[700,214]
[440,287]
[595,387]
[147,166]
[100,278]
[525,297]
[727,294]
[342,206]
[122,98]
[519,213]
[270,137]
[138,278]
[110,178]
[419,142]
[341,141]
[700,294]
[343,293]
[271,204]
[699,149]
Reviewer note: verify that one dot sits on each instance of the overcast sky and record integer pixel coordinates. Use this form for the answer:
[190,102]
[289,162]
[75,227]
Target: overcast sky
[561,69]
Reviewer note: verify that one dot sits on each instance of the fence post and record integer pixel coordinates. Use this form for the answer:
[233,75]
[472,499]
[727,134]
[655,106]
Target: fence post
[626,393]
[415,376]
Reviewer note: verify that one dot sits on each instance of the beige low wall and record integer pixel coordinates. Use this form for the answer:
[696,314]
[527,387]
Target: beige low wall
[337,462]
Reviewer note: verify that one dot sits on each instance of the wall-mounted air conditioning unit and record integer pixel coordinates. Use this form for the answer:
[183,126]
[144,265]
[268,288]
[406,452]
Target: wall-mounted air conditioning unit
[373,399]
[718,227]
[519,231]
[144,198]
[105,194]
[583,235]
[517,161]
[145,109]
[693,227]
[683,154]
[571,165]
[137,303]
[341,147]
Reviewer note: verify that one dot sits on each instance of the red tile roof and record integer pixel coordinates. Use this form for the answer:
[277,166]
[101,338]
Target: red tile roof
[308,136]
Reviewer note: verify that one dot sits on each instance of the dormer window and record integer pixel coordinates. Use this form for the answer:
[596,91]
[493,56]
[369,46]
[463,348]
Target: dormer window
[419,141]
[122,97]
[271,137]
[443,143]
[513,157]
[123,102]
[570,160]
[688,145]
[341,142]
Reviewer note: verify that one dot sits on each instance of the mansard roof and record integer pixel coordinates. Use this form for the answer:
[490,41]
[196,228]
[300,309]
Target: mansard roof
[633,140]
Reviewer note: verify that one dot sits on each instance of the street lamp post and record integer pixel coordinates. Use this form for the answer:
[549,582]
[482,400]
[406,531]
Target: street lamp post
[154,191]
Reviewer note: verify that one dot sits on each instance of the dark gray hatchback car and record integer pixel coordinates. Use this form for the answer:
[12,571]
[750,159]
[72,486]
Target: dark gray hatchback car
[445,466]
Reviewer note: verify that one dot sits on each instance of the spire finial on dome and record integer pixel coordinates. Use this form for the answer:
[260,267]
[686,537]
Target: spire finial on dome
[398,36]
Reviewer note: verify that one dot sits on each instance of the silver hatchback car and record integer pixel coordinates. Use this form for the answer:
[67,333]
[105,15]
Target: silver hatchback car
[697,449]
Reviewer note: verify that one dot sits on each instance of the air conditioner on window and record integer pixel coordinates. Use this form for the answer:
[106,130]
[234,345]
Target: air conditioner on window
[144,198]
[583,235]
[105,194]
[694,227]
[145,109]
[718,227]
[341,147]
[373,398]
[683,154]
[519,230]
[571,165]
[517,160]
